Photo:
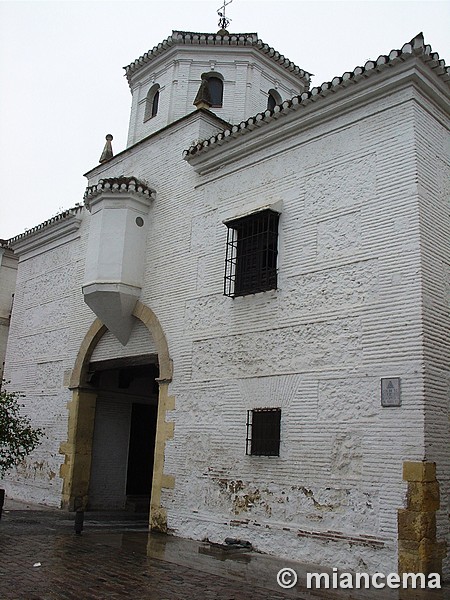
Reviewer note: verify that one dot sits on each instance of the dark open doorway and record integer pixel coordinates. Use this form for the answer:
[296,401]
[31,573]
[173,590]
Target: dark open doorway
[141,449]
[124,433]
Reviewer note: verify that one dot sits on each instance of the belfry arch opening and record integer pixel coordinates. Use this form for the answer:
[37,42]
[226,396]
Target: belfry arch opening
[215,87]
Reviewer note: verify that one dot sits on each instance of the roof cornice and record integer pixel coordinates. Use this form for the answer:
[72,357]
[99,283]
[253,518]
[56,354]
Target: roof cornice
[60,226]
[414,49]
[184,38]
[199,113]
[117,186]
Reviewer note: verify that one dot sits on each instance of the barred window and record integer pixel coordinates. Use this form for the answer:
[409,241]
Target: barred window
[252,250]
[263,432]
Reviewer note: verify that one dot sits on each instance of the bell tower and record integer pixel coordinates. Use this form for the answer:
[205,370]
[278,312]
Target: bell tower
[240,74]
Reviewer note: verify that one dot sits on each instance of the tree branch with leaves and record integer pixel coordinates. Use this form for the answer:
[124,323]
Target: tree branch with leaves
[18,438]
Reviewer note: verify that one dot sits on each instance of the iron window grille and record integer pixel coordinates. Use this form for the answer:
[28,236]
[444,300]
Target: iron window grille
[252,250]
[263,432]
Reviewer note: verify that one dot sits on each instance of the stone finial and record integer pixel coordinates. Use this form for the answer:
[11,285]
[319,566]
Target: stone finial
[107,153]
[203,97]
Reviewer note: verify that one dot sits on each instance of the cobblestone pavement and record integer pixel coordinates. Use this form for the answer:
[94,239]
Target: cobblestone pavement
[42,559]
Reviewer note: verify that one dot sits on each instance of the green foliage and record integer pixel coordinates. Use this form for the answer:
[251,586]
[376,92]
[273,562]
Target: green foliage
[17,437]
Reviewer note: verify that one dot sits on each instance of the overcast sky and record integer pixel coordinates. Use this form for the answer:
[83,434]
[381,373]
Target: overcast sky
[62,87]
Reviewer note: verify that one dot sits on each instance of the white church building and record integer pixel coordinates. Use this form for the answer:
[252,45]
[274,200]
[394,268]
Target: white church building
[247,320]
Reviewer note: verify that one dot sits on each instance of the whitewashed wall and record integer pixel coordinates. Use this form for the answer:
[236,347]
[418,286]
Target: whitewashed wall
[50,318]
[347,311]
[433,162]
[140,343]
[8,274]
[48,324]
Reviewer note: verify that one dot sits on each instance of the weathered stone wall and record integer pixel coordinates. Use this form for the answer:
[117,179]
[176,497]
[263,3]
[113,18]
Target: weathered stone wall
[419,549]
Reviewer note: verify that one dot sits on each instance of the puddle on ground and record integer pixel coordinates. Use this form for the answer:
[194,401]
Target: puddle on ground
[239,564]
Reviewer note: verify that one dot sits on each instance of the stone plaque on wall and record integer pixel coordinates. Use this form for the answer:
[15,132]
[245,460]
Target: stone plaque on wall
[390,392]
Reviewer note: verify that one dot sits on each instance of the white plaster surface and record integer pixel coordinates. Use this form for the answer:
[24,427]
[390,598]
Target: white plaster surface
[8,274]
[115,258]
[363,294]
[140,343]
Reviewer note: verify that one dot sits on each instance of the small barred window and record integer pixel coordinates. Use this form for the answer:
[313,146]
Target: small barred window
[263,432]
[252,250]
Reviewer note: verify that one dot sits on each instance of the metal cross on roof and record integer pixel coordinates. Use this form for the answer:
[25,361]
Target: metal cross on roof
[223,21]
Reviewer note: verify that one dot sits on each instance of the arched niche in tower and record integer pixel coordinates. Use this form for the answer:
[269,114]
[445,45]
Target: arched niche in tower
[215,86]
[152,102]
[273,99]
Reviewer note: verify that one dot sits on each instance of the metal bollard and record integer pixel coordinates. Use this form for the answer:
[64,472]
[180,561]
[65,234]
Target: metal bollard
[2,500]
[79,519]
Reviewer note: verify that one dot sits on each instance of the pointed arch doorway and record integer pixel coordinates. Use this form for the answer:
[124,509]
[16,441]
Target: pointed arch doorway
[78,449]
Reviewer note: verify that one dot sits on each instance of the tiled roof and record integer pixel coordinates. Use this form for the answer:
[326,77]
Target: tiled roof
[416,47]
[119,185]
[116,184]
[215,39]
[70,212]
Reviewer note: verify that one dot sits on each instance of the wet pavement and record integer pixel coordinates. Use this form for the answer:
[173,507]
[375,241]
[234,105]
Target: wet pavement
[41,558]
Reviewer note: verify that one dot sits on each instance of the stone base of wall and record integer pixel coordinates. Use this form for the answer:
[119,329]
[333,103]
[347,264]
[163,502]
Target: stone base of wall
[418,548]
